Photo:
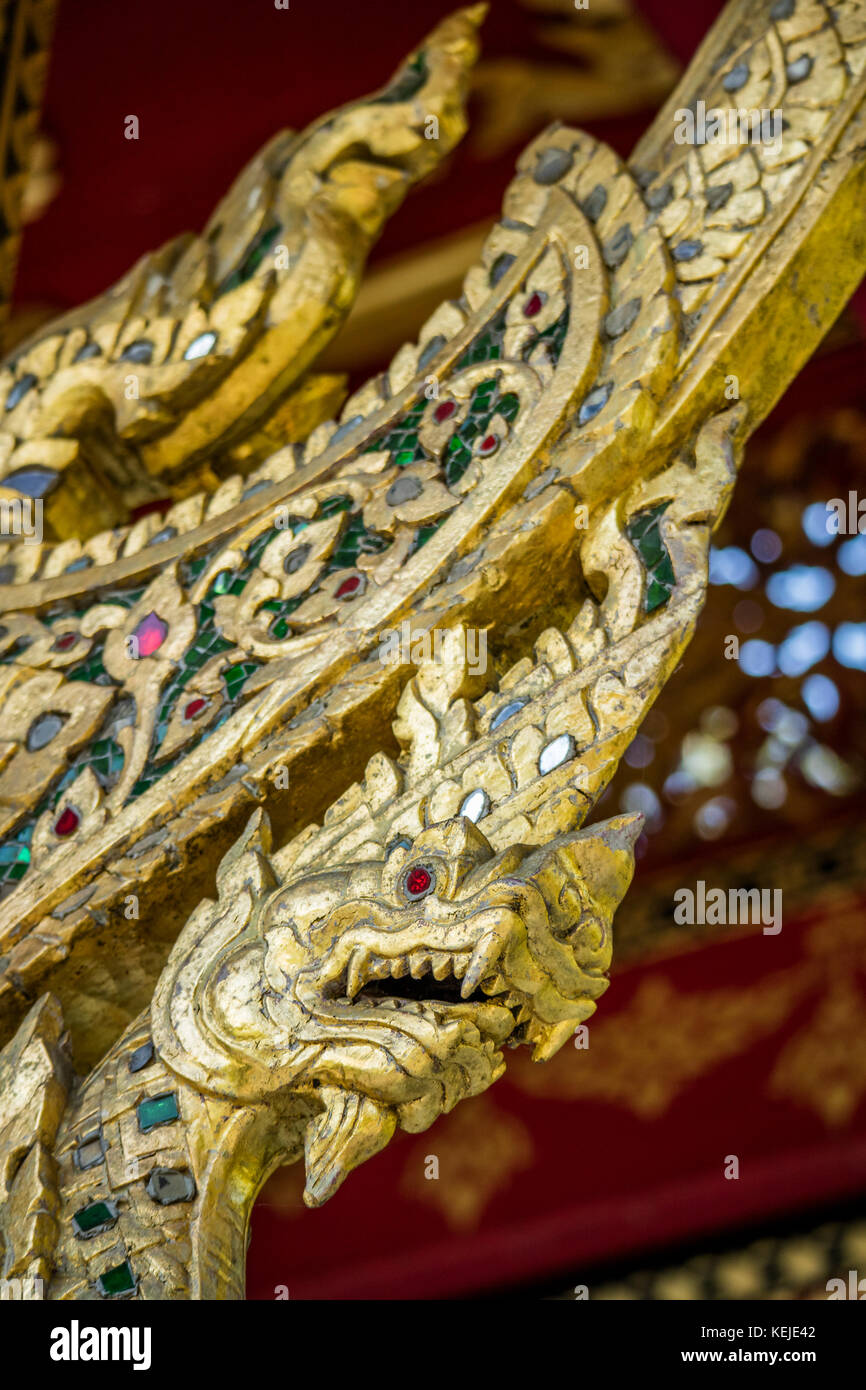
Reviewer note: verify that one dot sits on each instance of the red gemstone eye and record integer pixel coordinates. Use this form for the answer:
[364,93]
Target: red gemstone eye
[194,708]
[533,306]
[65,641]
[444,411]
[489,444]
[418,882]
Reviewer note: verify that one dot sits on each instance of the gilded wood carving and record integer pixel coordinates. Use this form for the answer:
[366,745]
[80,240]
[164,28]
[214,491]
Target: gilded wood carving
[293,779]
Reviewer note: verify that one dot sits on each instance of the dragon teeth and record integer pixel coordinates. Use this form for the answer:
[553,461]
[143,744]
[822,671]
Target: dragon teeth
[441,965]
[378,969]
[418,965]
[459,964]
[356,975]
[399,967]
[484,958]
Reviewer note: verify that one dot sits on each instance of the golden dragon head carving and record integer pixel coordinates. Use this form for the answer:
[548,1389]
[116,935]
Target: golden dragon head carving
[392,983]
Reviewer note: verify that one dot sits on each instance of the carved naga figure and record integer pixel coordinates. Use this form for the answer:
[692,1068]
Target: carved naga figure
[186,1006]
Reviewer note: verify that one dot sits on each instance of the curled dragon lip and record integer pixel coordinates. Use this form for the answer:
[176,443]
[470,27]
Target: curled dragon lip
[422,1038]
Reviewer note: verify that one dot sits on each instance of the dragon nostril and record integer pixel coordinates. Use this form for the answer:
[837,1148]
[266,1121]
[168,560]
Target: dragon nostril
[418,882]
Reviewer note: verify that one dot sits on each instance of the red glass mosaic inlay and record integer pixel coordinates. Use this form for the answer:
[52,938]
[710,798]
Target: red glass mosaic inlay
[68,821]
[349,587]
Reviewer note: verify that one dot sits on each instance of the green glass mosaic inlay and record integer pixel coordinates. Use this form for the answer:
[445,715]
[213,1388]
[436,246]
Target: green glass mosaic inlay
[158,1110]
[401,440]
[282,609]
[423,534]
[91,668]
[91,1220]
[488,346]
[105,759]
[105,756]
[331,506]
[117,1281]
[555,335]
[260,247]
[235,676]
[194,569]
[126,598]
[15,856]
[645,536]
[408,82]
[485,403]
[207,643]
[355,541]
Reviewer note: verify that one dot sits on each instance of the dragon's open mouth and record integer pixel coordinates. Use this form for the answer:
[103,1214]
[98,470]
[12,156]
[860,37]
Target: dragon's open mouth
[421,978]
